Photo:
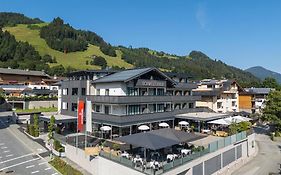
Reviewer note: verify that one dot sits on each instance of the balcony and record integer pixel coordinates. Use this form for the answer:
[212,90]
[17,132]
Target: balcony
[140,99]
[126,120]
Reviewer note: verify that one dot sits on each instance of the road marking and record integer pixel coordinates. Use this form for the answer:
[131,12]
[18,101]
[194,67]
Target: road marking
[10,155]
[34,172]
[4,147]
[1,144]
[16,158]
[7,151]
[30,166]
[42,163]
[19,164]
[48,168]
[54,173]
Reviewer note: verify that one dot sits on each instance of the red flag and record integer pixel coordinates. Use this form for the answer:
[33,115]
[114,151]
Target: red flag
[80,115]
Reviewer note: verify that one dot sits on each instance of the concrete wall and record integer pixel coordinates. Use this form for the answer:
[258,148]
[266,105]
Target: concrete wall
[40,104]
[97,165]
[219,161]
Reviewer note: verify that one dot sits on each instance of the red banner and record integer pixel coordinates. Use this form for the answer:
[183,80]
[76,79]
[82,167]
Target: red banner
[80,117]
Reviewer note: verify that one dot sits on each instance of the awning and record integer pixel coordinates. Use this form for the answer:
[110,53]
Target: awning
[158,139]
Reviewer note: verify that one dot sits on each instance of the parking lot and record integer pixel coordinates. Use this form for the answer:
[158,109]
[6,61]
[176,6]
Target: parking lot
[17,158]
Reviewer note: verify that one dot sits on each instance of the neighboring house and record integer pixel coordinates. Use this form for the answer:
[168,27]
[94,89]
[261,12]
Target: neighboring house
[26,89]
[219,95]
[127,99]
[15,82]
[253,99]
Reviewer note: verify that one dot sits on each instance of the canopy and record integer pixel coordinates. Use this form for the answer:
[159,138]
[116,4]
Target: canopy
[160,138]
[183,123]
[164,124]
[241,118]
[143,127]
[105,128]
[221,122]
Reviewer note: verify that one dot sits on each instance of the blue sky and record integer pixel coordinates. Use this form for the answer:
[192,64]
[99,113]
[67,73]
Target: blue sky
[238,32]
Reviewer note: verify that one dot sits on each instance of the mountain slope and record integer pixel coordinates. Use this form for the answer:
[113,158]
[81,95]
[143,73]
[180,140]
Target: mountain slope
[74,59]
[263,73]
[196,64]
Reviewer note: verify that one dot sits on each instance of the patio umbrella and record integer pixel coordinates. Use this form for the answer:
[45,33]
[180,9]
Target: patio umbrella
[183,123]
[143,127]
[164,124]
[105,128]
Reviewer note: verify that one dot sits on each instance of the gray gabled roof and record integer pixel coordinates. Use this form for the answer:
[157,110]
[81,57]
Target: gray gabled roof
[23,72]
[127,75]
[258,90]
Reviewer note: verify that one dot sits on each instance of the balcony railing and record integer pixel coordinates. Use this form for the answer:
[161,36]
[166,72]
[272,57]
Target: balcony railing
[212,147]
[140,99]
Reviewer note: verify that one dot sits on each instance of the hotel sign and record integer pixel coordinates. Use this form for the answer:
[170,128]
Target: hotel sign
[151,83]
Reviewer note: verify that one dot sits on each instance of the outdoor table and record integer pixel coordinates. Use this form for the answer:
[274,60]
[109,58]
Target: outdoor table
[126,155]
[185,151]
[171,156]
[135,160]
[154,164]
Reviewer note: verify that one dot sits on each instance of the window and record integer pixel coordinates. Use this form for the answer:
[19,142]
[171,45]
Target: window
[233,104]
[96,108]
[74,91]
[106,109]
[219,105]
[132,91]
[160,92]
[74,107]
[209,86]
[64,105]
[83,91]
[160,107]
[133,109]
[107,92]
[65,91]
[191,105]
[98,91]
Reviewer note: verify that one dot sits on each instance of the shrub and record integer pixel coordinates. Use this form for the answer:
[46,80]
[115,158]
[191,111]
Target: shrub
[99,61]
[57,146]
[31,130]
[116,146]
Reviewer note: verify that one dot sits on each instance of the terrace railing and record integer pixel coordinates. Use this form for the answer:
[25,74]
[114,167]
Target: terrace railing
[212,147]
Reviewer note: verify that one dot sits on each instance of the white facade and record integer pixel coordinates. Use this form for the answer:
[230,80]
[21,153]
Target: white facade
[226,99]
[112,89]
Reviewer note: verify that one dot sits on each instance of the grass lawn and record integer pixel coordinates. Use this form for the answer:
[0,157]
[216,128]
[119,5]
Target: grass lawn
[73,59]
[38,110]
[63,167]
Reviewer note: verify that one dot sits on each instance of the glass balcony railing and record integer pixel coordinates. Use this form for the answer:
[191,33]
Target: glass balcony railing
[212,147]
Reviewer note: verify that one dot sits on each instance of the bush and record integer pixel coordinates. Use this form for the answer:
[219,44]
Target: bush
[31,130]
[99,61]
[57,146]
[116,146]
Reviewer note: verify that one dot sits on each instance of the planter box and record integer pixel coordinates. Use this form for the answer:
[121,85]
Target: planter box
[34,138]
[59,154]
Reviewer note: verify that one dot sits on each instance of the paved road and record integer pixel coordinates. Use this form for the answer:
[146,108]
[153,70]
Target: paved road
[268,159]
[16,156]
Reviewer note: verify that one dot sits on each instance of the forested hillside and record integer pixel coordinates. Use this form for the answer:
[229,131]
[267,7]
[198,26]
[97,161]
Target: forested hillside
[64,38]
[65,49]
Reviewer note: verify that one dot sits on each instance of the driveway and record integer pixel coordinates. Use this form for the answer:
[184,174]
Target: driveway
[17,156]
[268,159]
